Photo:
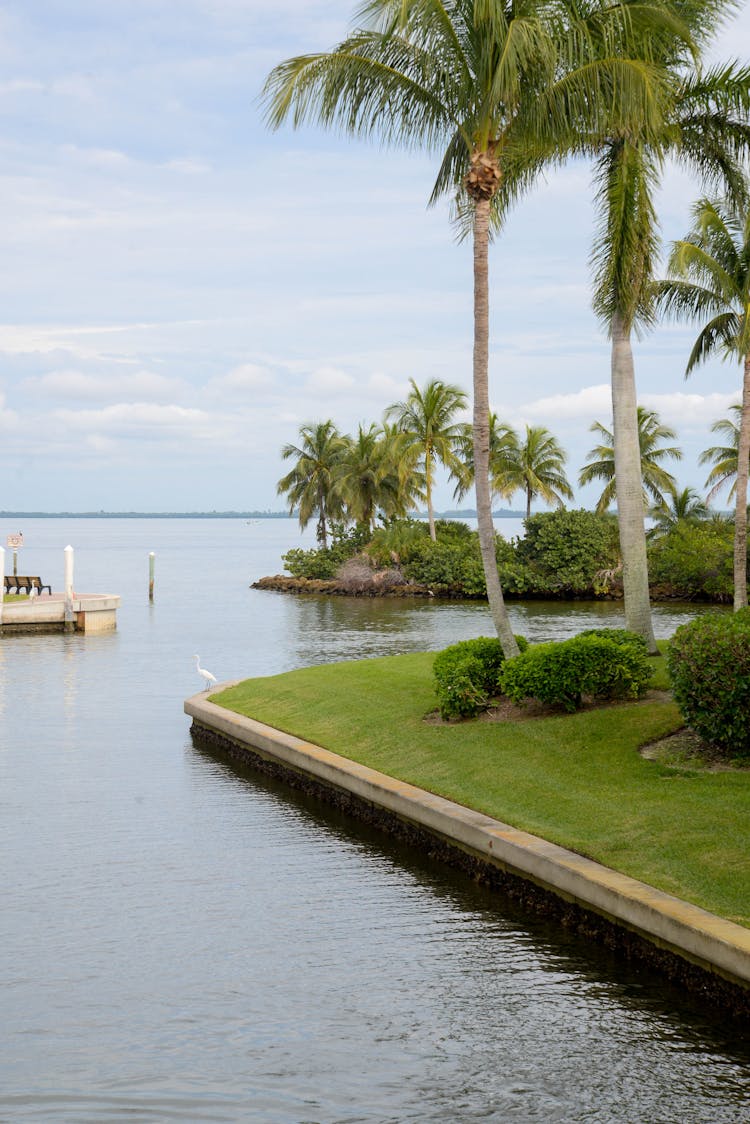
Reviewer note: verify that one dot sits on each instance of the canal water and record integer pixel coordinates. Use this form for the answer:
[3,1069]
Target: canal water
[185,941]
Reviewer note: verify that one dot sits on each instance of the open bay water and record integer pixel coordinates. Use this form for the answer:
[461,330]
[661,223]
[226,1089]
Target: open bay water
[183,940]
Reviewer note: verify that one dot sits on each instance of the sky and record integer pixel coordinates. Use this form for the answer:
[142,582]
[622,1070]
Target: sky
[181,288]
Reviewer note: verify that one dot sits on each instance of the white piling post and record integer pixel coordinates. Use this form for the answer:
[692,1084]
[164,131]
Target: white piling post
[2,575]
[68,555]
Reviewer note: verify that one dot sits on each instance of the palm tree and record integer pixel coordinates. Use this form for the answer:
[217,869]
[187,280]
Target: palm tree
[680,507]
[368,479]
[311,486]
[709,282]
[537,468]
[499,86]
[404,457]
[705,127]
[503,452]
[724,458]
[657,483]
[426,419]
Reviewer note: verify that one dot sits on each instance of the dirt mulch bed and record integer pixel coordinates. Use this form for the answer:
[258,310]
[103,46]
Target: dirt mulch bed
[504,710]
[686,750]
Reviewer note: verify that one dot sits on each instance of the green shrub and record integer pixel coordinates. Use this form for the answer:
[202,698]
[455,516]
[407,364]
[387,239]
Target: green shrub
[563,552]
[466,675]
[448,567]
[694,561]
[454,530]
[398,542]
[323,563]
[709,667]
[453,564]
[310,563]
[457,690]
[619,635]
[563,673]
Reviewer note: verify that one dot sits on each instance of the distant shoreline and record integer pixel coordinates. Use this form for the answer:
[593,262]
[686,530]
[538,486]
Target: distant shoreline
[219,515]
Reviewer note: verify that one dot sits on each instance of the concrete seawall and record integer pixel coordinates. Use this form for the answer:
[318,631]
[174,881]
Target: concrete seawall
[706,952]
[87,612]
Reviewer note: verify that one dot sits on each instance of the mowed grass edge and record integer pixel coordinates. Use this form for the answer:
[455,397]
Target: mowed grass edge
[577,780]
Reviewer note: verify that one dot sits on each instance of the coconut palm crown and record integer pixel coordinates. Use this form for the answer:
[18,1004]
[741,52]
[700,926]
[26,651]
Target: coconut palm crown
[657,483]
[538,468]
[503,451]
[311,485]
[724,458]
[686,506]
[427,419]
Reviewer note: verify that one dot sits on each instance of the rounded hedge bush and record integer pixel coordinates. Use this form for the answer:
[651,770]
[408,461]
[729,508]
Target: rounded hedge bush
[562,673]
[709,666]
[619,635]
[466,675]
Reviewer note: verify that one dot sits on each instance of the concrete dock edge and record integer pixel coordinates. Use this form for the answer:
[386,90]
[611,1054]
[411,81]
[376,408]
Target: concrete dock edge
[716,947]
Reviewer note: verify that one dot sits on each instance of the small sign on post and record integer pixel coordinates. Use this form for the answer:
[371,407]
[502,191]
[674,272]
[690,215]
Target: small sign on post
[13,542]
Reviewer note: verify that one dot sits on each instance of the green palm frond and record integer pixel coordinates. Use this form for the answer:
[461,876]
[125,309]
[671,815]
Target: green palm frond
[627,244]
[719,334]
[724,458]
[709,276]
[657,482]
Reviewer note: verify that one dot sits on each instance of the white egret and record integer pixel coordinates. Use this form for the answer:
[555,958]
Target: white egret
[210,679]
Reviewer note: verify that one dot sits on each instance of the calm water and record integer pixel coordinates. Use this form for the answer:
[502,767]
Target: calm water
[184,941]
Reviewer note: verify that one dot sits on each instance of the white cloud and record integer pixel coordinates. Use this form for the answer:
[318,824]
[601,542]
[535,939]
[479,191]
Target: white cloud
[693,411]
[141,420]
[386,387]
[21,86]
[330,380]
[77,86]
[187,166]
[102,157]
[76,385]
[9,419]
[591,403]
[248,377]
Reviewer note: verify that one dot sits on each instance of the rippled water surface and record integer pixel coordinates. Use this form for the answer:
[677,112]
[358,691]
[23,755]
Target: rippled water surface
[183,940]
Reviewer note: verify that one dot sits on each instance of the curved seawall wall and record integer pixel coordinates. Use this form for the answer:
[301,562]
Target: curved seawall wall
[708,953]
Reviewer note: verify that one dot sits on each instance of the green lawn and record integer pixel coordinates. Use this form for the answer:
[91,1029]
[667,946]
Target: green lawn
[577,780]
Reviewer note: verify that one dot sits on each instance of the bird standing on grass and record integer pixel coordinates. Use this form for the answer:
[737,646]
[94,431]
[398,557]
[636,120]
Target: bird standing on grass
[209,678]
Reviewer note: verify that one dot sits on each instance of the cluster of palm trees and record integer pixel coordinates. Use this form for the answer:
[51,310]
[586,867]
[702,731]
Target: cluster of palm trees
[502,89]
[386,470]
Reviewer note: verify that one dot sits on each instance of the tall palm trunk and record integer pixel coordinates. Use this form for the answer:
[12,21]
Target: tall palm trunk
[528,503]
[428,492]
[629,485]
[485,526]
[740,515]
[322,530]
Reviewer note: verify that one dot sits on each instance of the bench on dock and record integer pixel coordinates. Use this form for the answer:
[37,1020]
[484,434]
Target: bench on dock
[15,583]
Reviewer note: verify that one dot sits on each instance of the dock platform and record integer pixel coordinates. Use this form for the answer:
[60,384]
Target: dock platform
[50,612]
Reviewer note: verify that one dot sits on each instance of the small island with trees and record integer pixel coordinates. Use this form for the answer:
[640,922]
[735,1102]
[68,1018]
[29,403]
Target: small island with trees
[360,490]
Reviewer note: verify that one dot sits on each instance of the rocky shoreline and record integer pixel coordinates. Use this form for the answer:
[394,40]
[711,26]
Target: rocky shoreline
[378,584]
